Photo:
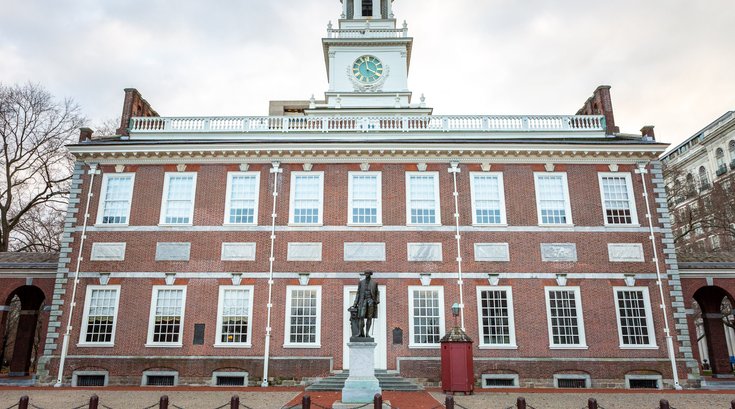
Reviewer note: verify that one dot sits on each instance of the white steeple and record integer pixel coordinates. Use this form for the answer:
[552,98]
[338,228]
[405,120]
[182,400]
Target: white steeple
[367,58]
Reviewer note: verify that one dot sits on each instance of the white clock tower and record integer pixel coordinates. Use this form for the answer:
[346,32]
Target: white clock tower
[368,59]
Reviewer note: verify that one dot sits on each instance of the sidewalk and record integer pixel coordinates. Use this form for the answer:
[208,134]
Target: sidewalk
[277,398]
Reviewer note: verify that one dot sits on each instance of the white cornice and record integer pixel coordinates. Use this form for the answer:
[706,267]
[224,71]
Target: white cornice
[133,153]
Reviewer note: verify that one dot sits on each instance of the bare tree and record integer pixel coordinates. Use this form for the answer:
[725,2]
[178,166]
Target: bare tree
[35,167]
[701,206]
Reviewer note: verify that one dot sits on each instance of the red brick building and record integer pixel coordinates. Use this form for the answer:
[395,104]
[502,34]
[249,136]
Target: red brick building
[215,248]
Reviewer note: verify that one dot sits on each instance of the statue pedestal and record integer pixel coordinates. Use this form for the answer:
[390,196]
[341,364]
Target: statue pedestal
[362,385]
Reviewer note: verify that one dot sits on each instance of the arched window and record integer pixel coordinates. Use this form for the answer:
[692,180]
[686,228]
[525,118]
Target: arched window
[731,147]
[720,158]
[690,187]
[703,178]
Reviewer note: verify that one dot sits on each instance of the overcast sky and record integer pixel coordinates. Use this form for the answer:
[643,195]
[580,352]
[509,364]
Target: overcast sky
[671,63]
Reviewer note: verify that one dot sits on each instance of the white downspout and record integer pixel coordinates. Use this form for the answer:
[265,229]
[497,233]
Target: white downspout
[275,170]
[454,170]
[72,303]
[669,339]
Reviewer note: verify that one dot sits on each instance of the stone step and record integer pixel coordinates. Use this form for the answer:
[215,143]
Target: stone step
[387,381]
[21,381]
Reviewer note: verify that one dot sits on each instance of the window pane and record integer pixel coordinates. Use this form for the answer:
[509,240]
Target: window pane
[243,199]
[235,316]
[426,317]
[307,196]
[564,320]
[364,199]
[633,320]
[116,204]
[617,200]
[303,317]
[552,199]
[487,199]
[179,199]
[494,308]
[423,199]
[168,314]
[101,315]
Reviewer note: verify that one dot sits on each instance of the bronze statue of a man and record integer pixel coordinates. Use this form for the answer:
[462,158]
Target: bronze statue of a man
[365,308]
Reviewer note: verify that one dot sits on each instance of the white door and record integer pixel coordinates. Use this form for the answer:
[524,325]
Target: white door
[378,330]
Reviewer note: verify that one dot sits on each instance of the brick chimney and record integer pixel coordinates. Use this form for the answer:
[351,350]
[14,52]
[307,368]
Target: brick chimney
[85,134]
[600,103]
[134,105]
[647,132]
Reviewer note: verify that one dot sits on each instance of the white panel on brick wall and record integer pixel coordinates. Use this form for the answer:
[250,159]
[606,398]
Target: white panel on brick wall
[558,252]
[108,252]
[424,252]
[492,252]
[364,251]
[173,251]
[626,252]
[238,251]
[304,251]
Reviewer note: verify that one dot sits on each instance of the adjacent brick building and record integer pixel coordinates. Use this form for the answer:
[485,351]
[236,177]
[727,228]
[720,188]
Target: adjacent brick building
[219,249]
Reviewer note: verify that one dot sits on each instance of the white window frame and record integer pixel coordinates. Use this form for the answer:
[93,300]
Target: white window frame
[85,316]
[287,324]
[220,304]
[379,213]
[103,194]
[567,200]
[580,318]
[437,202]
[292,198]
[164,200]
[649,318]
[501,189]
[228,198]
[152,315]
[511,319]
[631,199]
[442,323]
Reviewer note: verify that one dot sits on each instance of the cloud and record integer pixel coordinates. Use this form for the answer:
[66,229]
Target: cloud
[669,61]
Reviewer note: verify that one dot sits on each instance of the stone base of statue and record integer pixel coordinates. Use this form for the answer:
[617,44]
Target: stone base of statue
[362,385]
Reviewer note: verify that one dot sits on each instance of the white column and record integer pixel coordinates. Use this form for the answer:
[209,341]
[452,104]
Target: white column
[358,8]
[376,8]
[390,9]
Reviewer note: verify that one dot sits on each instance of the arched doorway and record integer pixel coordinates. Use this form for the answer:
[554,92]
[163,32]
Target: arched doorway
[20,333]
[716,322]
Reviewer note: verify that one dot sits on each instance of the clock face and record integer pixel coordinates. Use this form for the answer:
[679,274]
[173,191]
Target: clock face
[367,69]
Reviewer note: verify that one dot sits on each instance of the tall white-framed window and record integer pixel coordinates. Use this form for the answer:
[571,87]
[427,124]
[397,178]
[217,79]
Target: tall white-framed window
[166,322]
[365,198]
[100,315]
[307,198]
[565,318]
[234,316]
[635,322]
[426,316]
[495,315]
[177,205]
[422,198]
[618,200]
[488,198]
[116,196]
[243,190]
[303,317]
[552,198]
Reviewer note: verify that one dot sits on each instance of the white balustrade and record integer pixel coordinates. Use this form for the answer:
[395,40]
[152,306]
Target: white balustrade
[367,32]
[356,124]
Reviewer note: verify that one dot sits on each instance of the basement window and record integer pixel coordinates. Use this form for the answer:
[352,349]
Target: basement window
[152,378]
[499,381]
[643,381]
[571,381]
[230,378]
[89,378]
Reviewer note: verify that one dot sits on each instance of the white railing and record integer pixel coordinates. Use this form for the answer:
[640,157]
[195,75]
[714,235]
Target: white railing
[353,124]
[367,33]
